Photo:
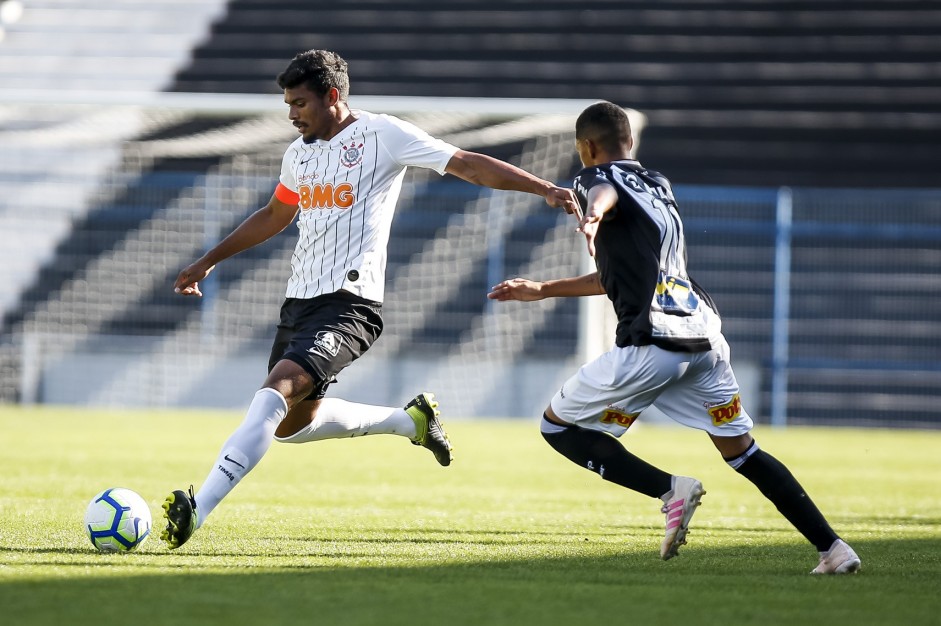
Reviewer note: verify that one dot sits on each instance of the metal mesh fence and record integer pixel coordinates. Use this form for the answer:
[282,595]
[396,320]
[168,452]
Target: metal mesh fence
[98,214]
[92,317]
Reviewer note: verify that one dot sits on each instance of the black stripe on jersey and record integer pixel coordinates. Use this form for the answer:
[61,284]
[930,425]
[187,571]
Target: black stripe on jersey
[336,232]
[372,185]
[362,193]
[309,243]
[316,213]
[307,167]
[326,223]
[297,158]
[313,256]
[323,219]
[302,271]
[294,256]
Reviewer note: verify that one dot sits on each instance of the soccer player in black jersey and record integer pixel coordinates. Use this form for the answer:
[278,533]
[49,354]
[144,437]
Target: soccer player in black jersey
[669,350]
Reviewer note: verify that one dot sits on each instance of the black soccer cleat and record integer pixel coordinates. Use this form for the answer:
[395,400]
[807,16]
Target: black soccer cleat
[180,513]
[429,433]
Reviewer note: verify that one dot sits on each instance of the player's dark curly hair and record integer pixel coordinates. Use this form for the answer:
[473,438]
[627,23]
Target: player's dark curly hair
[606,124]
[318,70]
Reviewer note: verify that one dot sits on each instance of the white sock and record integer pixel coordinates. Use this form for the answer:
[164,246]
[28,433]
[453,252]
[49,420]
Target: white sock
[338,418]
[242,451]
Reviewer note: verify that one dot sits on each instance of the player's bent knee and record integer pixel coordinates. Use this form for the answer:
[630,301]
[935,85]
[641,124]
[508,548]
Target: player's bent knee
[289,431]
[733,446]
[738,456]
[548,426]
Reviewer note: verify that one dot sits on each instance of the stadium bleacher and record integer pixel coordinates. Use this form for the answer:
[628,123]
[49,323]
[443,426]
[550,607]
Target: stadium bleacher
[834,93]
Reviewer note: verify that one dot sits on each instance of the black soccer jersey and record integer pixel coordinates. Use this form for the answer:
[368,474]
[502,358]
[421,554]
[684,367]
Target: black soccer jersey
[640,253]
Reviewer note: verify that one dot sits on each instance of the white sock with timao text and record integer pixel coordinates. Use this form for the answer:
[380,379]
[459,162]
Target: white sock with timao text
[242,451]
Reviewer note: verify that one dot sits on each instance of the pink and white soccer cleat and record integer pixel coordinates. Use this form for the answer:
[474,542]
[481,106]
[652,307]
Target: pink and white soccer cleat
[839,559]
[679,509]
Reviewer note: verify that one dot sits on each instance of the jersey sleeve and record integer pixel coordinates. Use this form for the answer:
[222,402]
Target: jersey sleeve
[286,189]
[585,180]
[409,145]
[287,182]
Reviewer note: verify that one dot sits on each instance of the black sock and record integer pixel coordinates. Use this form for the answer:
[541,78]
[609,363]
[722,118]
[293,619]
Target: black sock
[777,484]
[604,455]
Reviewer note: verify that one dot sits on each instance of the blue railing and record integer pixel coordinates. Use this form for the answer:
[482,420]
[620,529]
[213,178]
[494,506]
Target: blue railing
[856,286]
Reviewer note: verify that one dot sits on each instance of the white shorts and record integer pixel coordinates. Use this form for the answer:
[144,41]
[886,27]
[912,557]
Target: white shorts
[695,389]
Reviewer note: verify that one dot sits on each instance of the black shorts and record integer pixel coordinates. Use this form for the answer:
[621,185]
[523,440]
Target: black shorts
[325,334]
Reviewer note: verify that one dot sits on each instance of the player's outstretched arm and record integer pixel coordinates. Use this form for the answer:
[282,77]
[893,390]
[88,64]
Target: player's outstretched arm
[487,171]
[526,290]
[601,200]
[260,226]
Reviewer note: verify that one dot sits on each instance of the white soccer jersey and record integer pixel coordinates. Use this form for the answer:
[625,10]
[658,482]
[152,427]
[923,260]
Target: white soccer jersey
[347,189]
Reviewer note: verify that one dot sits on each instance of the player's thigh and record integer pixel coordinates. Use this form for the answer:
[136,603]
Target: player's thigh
[608,394]
[707,397]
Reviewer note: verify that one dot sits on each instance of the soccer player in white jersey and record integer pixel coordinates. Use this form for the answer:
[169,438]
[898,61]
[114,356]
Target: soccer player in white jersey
[669,350]
[341,179]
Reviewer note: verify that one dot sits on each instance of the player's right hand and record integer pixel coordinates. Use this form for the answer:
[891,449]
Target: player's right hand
[187,283]
[521,289]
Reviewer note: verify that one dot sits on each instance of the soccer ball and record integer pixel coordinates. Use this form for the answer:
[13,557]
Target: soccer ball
[117,520]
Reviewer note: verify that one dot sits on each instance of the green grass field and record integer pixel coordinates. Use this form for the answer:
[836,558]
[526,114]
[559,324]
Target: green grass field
[372,531]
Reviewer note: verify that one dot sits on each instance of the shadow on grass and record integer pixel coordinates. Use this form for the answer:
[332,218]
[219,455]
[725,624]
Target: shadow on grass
[747,584]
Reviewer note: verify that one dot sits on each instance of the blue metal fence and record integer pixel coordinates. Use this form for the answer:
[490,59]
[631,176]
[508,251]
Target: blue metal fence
[836,295]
